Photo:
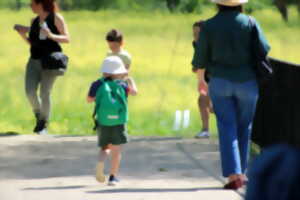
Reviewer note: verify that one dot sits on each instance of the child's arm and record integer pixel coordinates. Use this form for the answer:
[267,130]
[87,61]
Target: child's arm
[90,99]
[132,86]
[127,66]
[127,61]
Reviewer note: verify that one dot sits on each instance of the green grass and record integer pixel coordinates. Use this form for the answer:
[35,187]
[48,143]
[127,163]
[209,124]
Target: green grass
[160,44]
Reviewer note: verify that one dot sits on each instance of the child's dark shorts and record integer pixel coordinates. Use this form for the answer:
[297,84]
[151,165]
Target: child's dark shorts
[115,135]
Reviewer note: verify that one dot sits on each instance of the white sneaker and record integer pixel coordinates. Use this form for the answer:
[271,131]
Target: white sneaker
[203,134]
[100,172]
[43,132]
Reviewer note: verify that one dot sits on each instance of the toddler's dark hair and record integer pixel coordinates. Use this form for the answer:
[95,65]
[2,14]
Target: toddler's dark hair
[114,36]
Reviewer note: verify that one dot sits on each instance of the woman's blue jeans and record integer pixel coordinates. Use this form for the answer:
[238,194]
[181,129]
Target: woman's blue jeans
[234,105]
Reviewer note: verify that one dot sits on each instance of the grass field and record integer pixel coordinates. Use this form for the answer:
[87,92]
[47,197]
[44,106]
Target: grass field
[160,44]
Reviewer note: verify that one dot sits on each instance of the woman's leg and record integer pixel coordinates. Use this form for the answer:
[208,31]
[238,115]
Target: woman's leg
[32,80]
[221,93]
[203,104]
[47,82]
[246,94]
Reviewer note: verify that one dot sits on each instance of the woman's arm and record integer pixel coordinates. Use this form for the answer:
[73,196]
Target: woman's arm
[23,31]
[202,85]
[25,38]
[132,86]
[63,36]
[201,60]
[262,39]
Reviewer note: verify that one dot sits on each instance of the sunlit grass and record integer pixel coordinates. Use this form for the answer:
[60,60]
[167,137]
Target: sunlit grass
[160,44]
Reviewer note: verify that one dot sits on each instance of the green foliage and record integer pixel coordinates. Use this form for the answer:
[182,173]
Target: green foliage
[13,4]
[185,6]
[108,4]
[66,4]
[257,5]
[189,6]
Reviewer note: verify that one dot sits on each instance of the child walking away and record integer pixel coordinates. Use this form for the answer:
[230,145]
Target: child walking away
[115,43]
[110,95]
[204,102]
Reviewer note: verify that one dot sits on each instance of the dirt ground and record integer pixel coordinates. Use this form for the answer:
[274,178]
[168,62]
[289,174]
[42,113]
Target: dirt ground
[61,167]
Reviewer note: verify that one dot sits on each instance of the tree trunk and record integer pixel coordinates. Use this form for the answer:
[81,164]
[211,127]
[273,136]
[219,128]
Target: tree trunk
[282,7]
[173,4]
[18,4]
[298,5]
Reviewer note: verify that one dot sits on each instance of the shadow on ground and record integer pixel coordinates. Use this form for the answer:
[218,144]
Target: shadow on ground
[10,133]
[73,187]
[154,190]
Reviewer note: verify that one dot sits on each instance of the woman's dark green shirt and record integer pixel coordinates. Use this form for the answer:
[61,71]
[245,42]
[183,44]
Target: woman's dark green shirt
[224,47]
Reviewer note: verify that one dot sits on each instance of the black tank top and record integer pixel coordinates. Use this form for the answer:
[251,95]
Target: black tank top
[40,48]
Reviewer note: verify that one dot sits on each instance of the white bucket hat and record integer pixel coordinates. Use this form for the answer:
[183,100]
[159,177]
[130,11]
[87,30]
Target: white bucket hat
[230,2]
[113,65]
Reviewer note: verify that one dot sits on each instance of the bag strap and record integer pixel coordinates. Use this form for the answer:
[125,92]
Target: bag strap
[251,21]
[253,28]
[102,80]
[121,99]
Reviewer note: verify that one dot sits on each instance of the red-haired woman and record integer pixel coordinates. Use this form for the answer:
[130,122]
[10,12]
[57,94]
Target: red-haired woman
[47,30]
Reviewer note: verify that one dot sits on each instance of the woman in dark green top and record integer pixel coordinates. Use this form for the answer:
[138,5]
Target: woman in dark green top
[224,49]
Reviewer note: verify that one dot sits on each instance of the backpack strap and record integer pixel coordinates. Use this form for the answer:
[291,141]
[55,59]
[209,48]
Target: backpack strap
[121,99]
[102,80]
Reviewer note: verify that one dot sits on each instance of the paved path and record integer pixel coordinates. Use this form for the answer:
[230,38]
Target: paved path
[62,168]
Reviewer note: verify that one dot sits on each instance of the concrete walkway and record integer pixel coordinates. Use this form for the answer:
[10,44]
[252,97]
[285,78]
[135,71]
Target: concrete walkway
[62,168]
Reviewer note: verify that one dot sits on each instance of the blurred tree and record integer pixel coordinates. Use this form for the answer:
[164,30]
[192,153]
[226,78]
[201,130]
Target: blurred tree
[173,4]
[282,6]
[252,6]
[189,6]
[18,4]
[65,4]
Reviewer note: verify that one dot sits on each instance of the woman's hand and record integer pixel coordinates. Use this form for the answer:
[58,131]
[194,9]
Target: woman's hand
[202,87]
[46,31]
[21,29]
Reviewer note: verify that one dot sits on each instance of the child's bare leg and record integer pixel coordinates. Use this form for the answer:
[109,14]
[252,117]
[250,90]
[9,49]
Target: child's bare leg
[204,108]
[103,154]
[211,108]
[115,159]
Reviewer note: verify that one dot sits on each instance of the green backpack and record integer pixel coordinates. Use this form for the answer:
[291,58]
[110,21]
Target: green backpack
[111,103]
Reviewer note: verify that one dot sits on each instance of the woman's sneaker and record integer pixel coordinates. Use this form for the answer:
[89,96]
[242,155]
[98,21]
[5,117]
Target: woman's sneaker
[41,127]
[203,134]
[100,172]
[113,181]
[43,132]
